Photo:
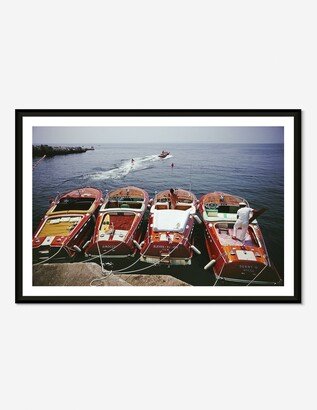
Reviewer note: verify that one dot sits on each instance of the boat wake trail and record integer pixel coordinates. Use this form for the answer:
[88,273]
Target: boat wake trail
[126,167]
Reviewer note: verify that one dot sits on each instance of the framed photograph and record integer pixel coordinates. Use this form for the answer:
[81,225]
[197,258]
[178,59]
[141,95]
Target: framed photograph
[158,206]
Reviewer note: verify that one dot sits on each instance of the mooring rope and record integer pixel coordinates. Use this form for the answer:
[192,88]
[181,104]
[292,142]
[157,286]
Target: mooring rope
[256,276]
[105,253]
[46,260]
[121,270]
[101,264]
[128,267]
[222,254]
[137,270]
[36,164]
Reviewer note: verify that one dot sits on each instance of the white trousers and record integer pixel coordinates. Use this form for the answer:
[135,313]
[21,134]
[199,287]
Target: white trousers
[244,229]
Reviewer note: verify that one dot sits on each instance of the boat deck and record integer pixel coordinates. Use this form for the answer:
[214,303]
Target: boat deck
[121,222]
[183,196]
[225,238]
[221,198]
[115,227]
[128,192]
[59,226]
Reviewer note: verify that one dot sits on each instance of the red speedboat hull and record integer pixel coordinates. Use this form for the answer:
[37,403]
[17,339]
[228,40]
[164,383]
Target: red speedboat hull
[118,226]
[67,225]
[241,270]
[231,259]
[168,238]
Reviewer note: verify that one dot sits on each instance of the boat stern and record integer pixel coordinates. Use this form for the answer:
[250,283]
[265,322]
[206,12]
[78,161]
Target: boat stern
[166,252]
[249,272]
[57,253]
[110,249]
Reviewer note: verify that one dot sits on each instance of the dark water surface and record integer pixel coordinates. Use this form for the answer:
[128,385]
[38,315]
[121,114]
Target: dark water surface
[252,171]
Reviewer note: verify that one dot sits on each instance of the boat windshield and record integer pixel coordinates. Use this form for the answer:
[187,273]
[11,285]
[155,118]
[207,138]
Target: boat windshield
[224,209]
[227,209]
[74,204]
[125,202]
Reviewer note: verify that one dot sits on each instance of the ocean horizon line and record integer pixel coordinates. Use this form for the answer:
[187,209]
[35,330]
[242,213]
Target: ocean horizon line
[155,143]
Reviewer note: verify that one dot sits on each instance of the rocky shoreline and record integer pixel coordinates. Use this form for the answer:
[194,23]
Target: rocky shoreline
[49,151]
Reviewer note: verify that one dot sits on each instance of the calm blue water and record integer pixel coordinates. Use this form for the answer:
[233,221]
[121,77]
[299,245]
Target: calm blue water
[254,172]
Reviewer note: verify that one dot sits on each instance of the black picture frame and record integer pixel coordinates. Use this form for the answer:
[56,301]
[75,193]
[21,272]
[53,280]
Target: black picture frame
[21,114]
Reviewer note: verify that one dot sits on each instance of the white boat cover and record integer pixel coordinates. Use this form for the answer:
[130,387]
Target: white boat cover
[170,220]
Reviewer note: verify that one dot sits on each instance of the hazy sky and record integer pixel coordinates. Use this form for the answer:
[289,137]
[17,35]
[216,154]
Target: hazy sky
[94,135]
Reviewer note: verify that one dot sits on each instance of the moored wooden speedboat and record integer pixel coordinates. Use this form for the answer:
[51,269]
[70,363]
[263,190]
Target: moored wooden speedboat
[231,259]
[67,225]
[118,227]
[169,234]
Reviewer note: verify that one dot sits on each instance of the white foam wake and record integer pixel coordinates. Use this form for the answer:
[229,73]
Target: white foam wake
[127,166]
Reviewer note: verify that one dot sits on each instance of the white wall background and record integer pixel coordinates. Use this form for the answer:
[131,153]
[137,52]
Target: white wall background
[157,54]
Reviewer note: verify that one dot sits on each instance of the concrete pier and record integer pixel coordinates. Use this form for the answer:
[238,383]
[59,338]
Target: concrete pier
[81,274]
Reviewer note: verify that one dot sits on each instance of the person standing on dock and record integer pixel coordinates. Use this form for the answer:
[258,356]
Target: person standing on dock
[243,214]
[172,196]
